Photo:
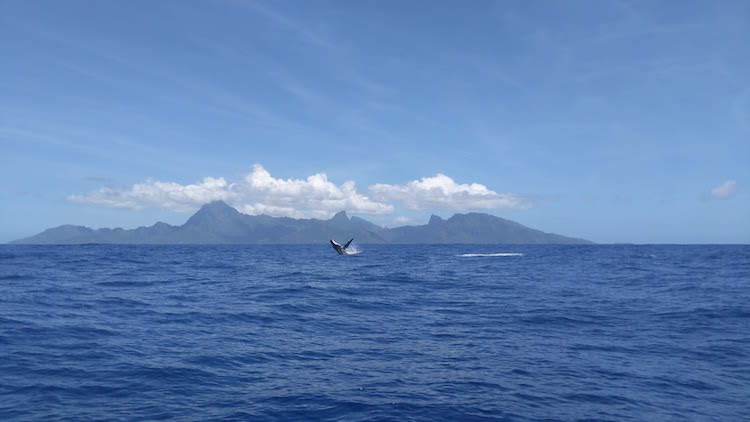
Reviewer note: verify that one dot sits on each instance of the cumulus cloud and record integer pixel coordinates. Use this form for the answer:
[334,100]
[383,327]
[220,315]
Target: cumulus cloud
[313,196]
[260,208]
[257,193]
[169,195]
[441,191]
[725,190]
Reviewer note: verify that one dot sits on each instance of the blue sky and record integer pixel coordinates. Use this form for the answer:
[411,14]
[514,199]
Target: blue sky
[615,121]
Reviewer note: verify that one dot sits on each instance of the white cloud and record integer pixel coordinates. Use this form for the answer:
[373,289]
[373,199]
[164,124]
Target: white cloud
[402,219]
[169,195]
[440,191]
[313,197]
[725,190]
[257,193]
[260,208]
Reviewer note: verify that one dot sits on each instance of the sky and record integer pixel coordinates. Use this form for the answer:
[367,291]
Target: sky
[614,121]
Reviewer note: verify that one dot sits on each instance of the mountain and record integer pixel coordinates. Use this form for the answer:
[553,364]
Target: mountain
[218,223]
[474,228]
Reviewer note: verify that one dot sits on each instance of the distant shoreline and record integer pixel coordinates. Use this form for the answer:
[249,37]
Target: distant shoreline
[219,223]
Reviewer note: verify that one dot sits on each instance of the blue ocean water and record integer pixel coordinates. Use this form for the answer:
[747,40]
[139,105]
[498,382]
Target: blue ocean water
[526,333]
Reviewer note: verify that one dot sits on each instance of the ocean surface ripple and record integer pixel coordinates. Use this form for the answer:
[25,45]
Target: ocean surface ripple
[518,333]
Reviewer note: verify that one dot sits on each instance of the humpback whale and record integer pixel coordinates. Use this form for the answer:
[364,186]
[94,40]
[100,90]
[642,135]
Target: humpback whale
[341,249]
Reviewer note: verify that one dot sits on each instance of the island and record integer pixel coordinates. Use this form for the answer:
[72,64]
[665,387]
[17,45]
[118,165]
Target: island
[219,223]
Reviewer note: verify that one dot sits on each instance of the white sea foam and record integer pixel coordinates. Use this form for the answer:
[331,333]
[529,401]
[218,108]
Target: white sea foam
[475,255]
[352,250]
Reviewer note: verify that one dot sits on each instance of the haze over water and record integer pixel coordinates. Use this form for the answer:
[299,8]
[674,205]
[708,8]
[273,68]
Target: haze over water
[452,332]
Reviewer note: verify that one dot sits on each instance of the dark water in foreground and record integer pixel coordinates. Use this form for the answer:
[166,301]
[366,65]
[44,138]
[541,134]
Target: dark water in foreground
[405,332]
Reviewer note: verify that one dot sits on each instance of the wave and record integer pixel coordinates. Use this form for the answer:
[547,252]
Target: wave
[476,255]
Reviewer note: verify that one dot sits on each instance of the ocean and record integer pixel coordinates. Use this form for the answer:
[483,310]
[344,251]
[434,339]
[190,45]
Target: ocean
[423,332]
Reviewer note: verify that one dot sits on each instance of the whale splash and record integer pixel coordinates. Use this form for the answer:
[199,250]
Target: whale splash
[477,255]
[344,249]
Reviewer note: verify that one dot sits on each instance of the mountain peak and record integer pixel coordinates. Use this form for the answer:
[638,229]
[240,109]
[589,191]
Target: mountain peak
[434,219]
[340,217]
[216,205]
[213,211]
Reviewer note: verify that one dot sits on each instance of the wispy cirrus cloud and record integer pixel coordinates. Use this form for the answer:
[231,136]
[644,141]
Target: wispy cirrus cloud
[725,190]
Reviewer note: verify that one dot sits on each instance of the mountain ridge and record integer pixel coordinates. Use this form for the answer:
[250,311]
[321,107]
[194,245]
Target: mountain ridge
[219,223]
